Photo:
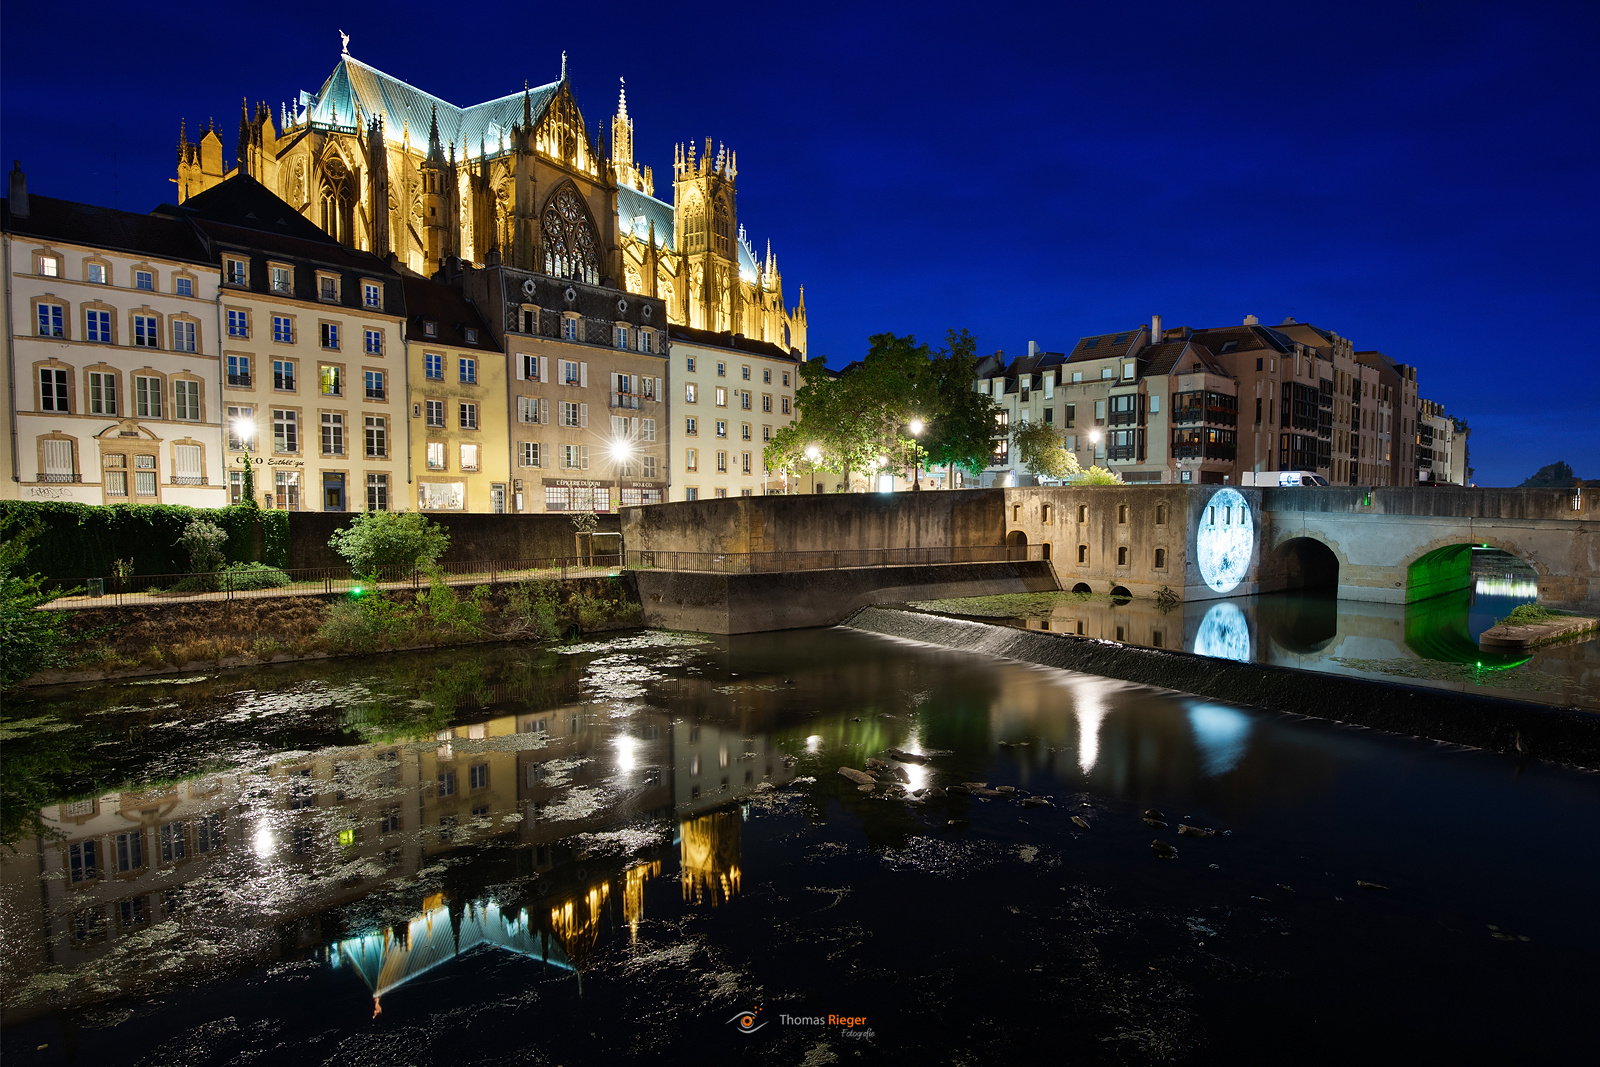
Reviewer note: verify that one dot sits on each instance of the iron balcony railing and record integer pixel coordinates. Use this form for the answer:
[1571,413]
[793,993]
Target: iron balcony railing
[828,559]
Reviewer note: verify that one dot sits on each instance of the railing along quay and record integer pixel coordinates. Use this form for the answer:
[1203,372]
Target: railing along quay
[312,581]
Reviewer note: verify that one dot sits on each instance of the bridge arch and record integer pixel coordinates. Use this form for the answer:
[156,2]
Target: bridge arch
[1444,565]
[1308,563]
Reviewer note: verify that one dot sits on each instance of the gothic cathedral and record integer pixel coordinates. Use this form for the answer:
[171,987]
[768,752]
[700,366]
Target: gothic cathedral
[385,167]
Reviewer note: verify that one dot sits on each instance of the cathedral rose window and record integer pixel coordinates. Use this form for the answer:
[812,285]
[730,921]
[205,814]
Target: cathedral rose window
[569,240]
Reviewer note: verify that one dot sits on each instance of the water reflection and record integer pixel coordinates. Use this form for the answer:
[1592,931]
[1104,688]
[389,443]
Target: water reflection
[1221,734]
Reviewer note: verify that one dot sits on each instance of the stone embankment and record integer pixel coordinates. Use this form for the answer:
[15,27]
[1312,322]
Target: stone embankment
[1529,635]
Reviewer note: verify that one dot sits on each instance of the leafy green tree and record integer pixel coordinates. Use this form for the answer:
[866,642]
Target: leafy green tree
[204,541]
[403,540]
[30,640]
[1557,475]
[1098,476]
[961,427]
[1040,451]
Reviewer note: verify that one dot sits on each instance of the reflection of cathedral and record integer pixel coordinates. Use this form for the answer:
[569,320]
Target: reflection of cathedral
[386,167]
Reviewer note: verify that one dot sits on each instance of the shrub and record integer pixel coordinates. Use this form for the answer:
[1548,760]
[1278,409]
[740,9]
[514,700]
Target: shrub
[1527,615]
[203,541]
[30,640]
[390,539]
[533,608]
[254,576]
[1097,476]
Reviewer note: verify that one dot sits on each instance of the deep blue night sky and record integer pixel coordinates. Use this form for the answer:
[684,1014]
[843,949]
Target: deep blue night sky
[1420,177]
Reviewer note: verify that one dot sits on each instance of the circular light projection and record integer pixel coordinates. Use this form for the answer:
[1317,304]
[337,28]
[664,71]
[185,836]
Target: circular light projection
[1224,539]
[1224,634]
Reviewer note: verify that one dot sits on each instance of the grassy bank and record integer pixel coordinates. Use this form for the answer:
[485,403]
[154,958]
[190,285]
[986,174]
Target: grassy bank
[197,635]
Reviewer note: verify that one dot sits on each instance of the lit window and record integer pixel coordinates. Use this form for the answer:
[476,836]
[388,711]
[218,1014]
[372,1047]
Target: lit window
[49,267]
[436,455]
[691,459]
[469,457]
[332,380]
[722,397]
[97,273]
[691,393]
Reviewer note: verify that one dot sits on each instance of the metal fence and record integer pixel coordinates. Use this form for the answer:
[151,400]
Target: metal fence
[829,560]
[310,581]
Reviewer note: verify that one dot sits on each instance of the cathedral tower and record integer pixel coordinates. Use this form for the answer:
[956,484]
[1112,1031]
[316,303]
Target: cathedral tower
[704,195]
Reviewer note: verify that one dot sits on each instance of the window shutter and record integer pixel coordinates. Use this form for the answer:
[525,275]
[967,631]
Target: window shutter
[583,375]
[544,409]
[544,373]
[186,460]
[583,414]
[1050,385]
[583,455]
[522,366]
[635,430]
[57,456]
[659,393]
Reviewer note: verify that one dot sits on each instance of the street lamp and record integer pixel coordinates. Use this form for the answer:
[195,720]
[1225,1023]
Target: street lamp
[916,454]
[244,429]
[814,454]
[1094,441]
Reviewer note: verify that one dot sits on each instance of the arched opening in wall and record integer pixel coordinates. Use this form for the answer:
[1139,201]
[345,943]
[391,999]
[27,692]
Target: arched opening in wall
[1017,541]
[1309,565]
[1455,593]
[1120,594]
[1082,587]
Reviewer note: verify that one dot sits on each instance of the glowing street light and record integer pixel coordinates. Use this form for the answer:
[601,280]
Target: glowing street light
[916,428]
[814,454]
[621,449]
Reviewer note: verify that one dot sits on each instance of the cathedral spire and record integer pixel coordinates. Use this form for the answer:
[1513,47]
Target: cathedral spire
[527,100]
[435,150]
[563,64]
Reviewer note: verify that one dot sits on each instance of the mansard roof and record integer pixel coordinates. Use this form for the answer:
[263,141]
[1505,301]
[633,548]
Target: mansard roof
[68,221]
[449,310]
[1179,357]
[736,342]
[355,93]
[1225,339]
[1106,345]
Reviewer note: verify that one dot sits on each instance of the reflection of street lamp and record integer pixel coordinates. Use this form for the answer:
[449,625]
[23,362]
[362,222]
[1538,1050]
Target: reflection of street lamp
[916,453]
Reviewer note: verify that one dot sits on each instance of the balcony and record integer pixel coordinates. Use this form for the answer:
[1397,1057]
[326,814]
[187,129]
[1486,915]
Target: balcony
[56,478]
[240,380]
[1124,418]
[188,479]
[626,400]
[377,394]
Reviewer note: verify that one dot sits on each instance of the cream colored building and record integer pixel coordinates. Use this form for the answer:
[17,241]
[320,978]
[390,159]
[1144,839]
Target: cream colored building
[313,356]
[727,396]
[111,326]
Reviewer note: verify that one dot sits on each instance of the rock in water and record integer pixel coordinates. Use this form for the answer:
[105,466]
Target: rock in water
[1006,788]
[1162,850]
[1194,831]
[1158,823]
[1370,885]
[959,790]
[863,789]
[905,757]
[1081,821]
[876,764]
[1035,802]
[1152,813]
[976,785]
[858,777]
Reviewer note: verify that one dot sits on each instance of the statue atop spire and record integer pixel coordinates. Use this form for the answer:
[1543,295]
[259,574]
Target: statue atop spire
[344,43]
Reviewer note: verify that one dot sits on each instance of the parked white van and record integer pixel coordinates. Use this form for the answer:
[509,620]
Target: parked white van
[1304,478]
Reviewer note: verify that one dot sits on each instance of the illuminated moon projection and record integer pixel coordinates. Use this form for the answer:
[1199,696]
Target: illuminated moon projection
[1224,539]
[1224,634]
[1221,734]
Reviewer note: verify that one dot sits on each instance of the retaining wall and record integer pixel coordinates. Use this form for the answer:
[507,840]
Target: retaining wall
[472,537]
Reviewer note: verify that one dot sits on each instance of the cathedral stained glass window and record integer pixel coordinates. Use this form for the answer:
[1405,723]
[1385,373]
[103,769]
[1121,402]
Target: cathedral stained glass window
[569,241]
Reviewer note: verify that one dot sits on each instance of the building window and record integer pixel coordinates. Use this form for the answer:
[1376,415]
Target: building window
[722,397]
[283,375]
[691,393]
[332,433]
[622,337]
[59,461]
[744,431]
[98,325]
[435,412]
[691,426]
[574,414]
[745,372]
[722,462]
[374,342]
[238,323]
[469,371]
[647,341]
[691,493]
[331,380]
[722,370]
[433,366]
[766,433]
[130,851]
[239,371]
[82,861]
[147,397]
[102,393]
[572,373]
[436,455]
[49,267]
[186,400]
[722,428]
[744,399]
[785,406]
[691,459]
[720,494]
[688,364]
[285,431]
[377,492]
[183,286]
[51,321]
[530,454]
[746,464]
[647,429]
[377,439]
[371,295]
[183,336]
[235,271]
[532,410]
[766,402]
[282,280]
[146,332]
[238,424]
[575,457]
[328,290]
[1161,558]
[143,279]
[1122,513]
[469,416]
[766,375]
[478,776]
[1122,556]
[569,328]
[649,464]
[330,335]
[376,389]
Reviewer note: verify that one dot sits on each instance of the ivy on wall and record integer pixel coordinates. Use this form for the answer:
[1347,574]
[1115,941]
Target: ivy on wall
[82,541]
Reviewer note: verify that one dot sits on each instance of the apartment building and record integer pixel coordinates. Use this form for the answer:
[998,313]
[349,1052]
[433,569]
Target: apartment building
[730,394]
[586,389]
[313,355]
[460,456]
[1441,452]
[1399,385]
[112,357]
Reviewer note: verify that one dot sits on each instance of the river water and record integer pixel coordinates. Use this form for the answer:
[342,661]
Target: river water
[617,852]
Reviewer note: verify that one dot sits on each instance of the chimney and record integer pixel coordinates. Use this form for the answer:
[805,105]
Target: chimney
[1155,329]
[1033,349]
[19,191]
[1251,320]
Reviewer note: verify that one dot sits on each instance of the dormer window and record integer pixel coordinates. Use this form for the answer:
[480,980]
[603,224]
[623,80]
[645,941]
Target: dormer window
[371,295]
[471,335]
[282,280]
[235,272]
[430,328]
[327,288]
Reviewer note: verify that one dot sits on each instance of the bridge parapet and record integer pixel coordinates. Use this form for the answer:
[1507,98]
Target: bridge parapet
[1458,502]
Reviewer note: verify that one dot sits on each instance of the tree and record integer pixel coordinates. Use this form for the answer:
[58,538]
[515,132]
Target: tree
[30,640]
[1098,476]
[403,540]
[859,419]
[1557,475]
[204,541]
[1040,452]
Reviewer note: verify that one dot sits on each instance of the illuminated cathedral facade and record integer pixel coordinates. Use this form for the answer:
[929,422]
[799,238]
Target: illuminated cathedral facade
[390,169]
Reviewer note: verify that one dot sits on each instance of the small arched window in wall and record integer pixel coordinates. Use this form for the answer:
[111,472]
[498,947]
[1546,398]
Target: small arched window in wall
[1161,559]
[1016,512]
[1083,553]
[1044,514]
[569,241]
[1161,514]
[1083,512]
[1122,556]
[1122,513]
[694,224]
